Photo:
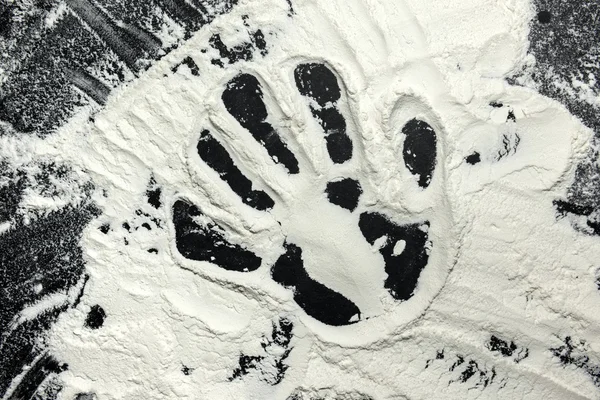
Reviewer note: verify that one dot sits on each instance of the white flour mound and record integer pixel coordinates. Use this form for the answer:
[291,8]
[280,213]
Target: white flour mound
[501,265]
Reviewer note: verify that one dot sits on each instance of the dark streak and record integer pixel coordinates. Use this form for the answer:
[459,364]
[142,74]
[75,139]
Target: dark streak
[89,85]
[131,44]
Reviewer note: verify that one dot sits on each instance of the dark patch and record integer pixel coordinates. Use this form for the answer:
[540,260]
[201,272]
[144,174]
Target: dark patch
[467,371]
[147,226]
[105,228]
[206,241]
[153,251]
[496,104]
[86,278]
[241,52]
[474,158]
[243,98]
[563,208]
[318,83]
[246,364]
[344,193]
[86,396]
[276,350]
[188,62]
[153,194]
[403,269]
[291,11]
[544,17]
[471,369]
[147,218]
[11,193]
[186,370]
[576,354]
[126,226]
[217,157]
[95,318]
[419,151]
[511,116]
[316,299]
[507,349]
[438,356]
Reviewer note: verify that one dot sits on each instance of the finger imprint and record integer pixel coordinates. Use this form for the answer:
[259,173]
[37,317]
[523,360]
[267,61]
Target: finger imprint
[217,157]
[420,150]
[243,98]
[206,241]
[319,84]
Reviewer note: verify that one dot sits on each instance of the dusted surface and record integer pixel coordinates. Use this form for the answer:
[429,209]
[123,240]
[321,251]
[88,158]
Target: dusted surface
[299,200]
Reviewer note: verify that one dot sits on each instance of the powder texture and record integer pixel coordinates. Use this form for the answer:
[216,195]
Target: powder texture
[323,200]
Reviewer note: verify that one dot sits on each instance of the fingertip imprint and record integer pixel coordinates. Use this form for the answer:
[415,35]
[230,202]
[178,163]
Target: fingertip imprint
[317,82]
[206,241]
[420,150]
[243,99]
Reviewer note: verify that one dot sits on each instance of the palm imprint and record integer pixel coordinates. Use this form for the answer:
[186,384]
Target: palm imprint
[344,246]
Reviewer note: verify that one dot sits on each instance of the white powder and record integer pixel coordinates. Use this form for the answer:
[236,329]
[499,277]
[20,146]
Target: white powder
[499,264]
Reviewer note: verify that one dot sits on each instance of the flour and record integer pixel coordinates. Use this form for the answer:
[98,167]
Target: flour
[498,262]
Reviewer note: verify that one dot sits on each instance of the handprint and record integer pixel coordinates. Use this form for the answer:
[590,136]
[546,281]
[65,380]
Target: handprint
[311,247]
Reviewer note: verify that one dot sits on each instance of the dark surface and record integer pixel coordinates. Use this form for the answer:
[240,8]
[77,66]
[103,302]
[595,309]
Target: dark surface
[244,51]
[94,47]
[46,252]
[507,349]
